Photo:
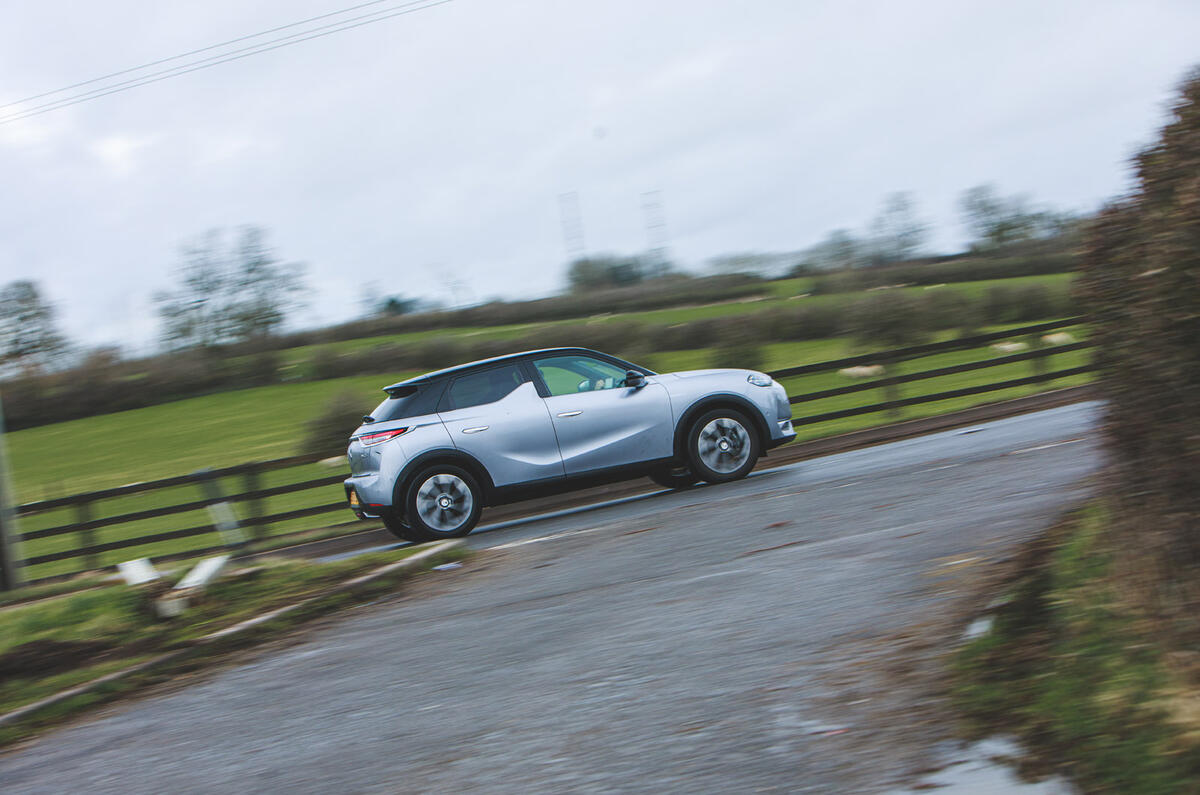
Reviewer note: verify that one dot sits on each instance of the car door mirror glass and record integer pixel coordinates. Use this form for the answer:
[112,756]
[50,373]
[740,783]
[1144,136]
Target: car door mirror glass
[634,379]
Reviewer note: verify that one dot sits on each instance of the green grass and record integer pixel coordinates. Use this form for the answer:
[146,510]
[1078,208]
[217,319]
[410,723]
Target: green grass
[224,429]
[782,293]
[36,639]
[268,422]
[1070,668]
[175,438]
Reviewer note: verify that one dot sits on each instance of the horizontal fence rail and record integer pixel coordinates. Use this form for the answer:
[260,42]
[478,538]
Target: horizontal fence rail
[251,496]
[947,395]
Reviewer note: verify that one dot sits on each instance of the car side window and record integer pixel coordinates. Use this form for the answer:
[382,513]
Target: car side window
[487,386]
[571,374]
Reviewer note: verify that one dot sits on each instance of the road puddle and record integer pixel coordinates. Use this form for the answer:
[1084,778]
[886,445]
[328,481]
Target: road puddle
[981,769]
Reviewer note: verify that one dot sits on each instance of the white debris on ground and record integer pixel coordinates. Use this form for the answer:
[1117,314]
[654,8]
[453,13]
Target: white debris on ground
[980,769]
[1010,347]
[138,572]
[979,627]
[204,573]
[1058,338]
[863,371]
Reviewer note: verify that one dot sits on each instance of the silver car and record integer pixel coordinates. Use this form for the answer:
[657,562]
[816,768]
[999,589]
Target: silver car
[445,444]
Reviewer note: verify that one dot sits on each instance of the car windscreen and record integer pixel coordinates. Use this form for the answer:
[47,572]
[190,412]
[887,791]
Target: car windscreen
[408,401]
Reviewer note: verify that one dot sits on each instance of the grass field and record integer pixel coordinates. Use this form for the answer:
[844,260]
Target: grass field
[782,293]
[224,429]
[268,422]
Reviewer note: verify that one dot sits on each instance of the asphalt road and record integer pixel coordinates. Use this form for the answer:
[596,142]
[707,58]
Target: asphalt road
[759,635]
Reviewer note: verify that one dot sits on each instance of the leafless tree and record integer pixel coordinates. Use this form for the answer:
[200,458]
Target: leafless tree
[29,337]
[228,292]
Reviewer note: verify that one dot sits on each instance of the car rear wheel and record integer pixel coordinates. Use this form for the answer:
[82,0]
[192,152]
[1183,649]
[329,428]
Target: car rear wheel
[443,501]
[722,446]
[678,476]
[397,526]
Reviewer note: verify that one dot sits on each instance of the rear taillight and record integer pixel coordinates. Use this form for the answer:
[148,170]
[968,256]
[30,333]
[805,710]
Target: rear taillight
[379,437]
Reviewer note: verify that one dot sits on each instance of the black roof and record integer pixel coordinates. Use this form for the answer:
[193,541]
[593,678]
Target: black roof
[483,364]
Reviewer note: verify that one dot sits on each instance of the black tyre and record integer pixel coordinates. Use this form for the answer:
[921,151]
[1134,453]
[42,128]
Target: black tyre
[722,445]
[397,527]
[678,476]
[443,501]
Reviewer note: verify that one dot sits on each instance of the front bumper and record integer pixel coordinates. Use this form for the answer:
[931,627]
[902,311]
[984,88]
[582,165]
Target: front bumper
[782,433]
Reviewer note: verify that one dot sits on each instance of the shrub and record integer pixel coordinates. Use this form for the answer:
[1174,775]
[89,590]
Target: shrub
[888,320]
[948,309]
[327,434]
[817,322]
[258,369]
[961,269]
[738,350]
[1141,286]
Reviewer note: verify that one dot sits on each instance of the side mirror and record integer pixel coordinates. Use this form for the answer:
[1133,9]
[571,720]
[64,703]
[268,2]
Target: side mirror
[634,379]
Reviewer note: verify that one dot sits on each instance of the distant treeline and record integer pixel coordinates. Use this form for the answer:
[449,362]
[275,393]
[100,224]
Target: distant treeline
[944,271]
[677,290]
[668,291]
[885,318]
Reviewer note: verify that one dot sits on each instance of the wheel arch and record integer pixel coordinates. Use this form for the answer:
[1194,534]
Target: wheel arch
[447,455]
[720,401]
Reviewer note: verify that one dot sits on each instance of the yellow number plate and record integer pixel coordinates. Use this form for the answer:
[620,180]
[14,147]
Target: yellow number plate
[354,499]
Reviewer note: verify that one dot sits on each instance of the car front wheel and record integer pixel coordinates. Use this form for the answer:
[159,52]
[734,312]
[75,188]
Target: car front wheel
[722,446]
[443,501]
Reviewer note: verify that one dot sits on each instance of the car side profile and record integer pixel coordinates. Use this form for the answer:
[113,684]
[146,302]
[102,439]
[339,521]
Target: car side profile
[444,445]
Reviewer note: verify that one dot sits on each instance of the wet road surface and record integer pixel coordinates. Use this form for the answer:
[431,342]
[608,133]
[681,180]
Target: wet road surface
[729,638]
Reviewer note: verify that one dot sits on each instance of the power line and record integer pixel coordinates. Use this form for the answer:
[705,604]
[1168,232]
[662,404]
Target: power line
[320,31]
[205,63]
[214,60]
[161,61]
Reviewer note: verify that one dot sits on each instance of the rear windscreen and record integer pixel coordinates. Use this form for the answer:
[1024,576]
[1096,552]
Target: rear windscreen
[408,401]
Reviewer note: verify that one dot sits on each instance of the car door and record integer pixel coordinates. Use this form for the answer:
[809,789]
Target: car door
[497,416]
[600,422]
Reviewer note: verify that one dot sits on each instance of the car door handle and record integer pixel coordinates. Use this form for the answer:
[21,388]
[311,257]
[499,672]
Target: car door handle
[570,413]
[476,429]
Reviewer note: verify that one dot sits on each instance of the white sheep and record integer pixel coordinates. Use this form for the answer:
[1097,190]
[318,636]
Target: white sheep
[863,371]
[1058,338]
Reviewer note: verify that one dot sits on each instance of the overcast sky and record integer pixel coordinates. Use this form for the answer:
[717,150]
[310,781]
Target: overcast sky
[432,148]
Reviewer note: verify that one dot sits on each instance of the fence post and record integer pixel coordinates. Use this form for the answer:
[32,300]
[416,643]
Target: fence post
[10,567]
[87,535]
[1041,364]
[221,512]
[891,391]
[255,506]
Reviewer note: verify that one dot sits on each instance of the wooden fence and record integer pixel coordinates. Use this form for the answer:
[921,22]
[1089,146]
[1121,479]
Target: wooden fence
[76,525]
